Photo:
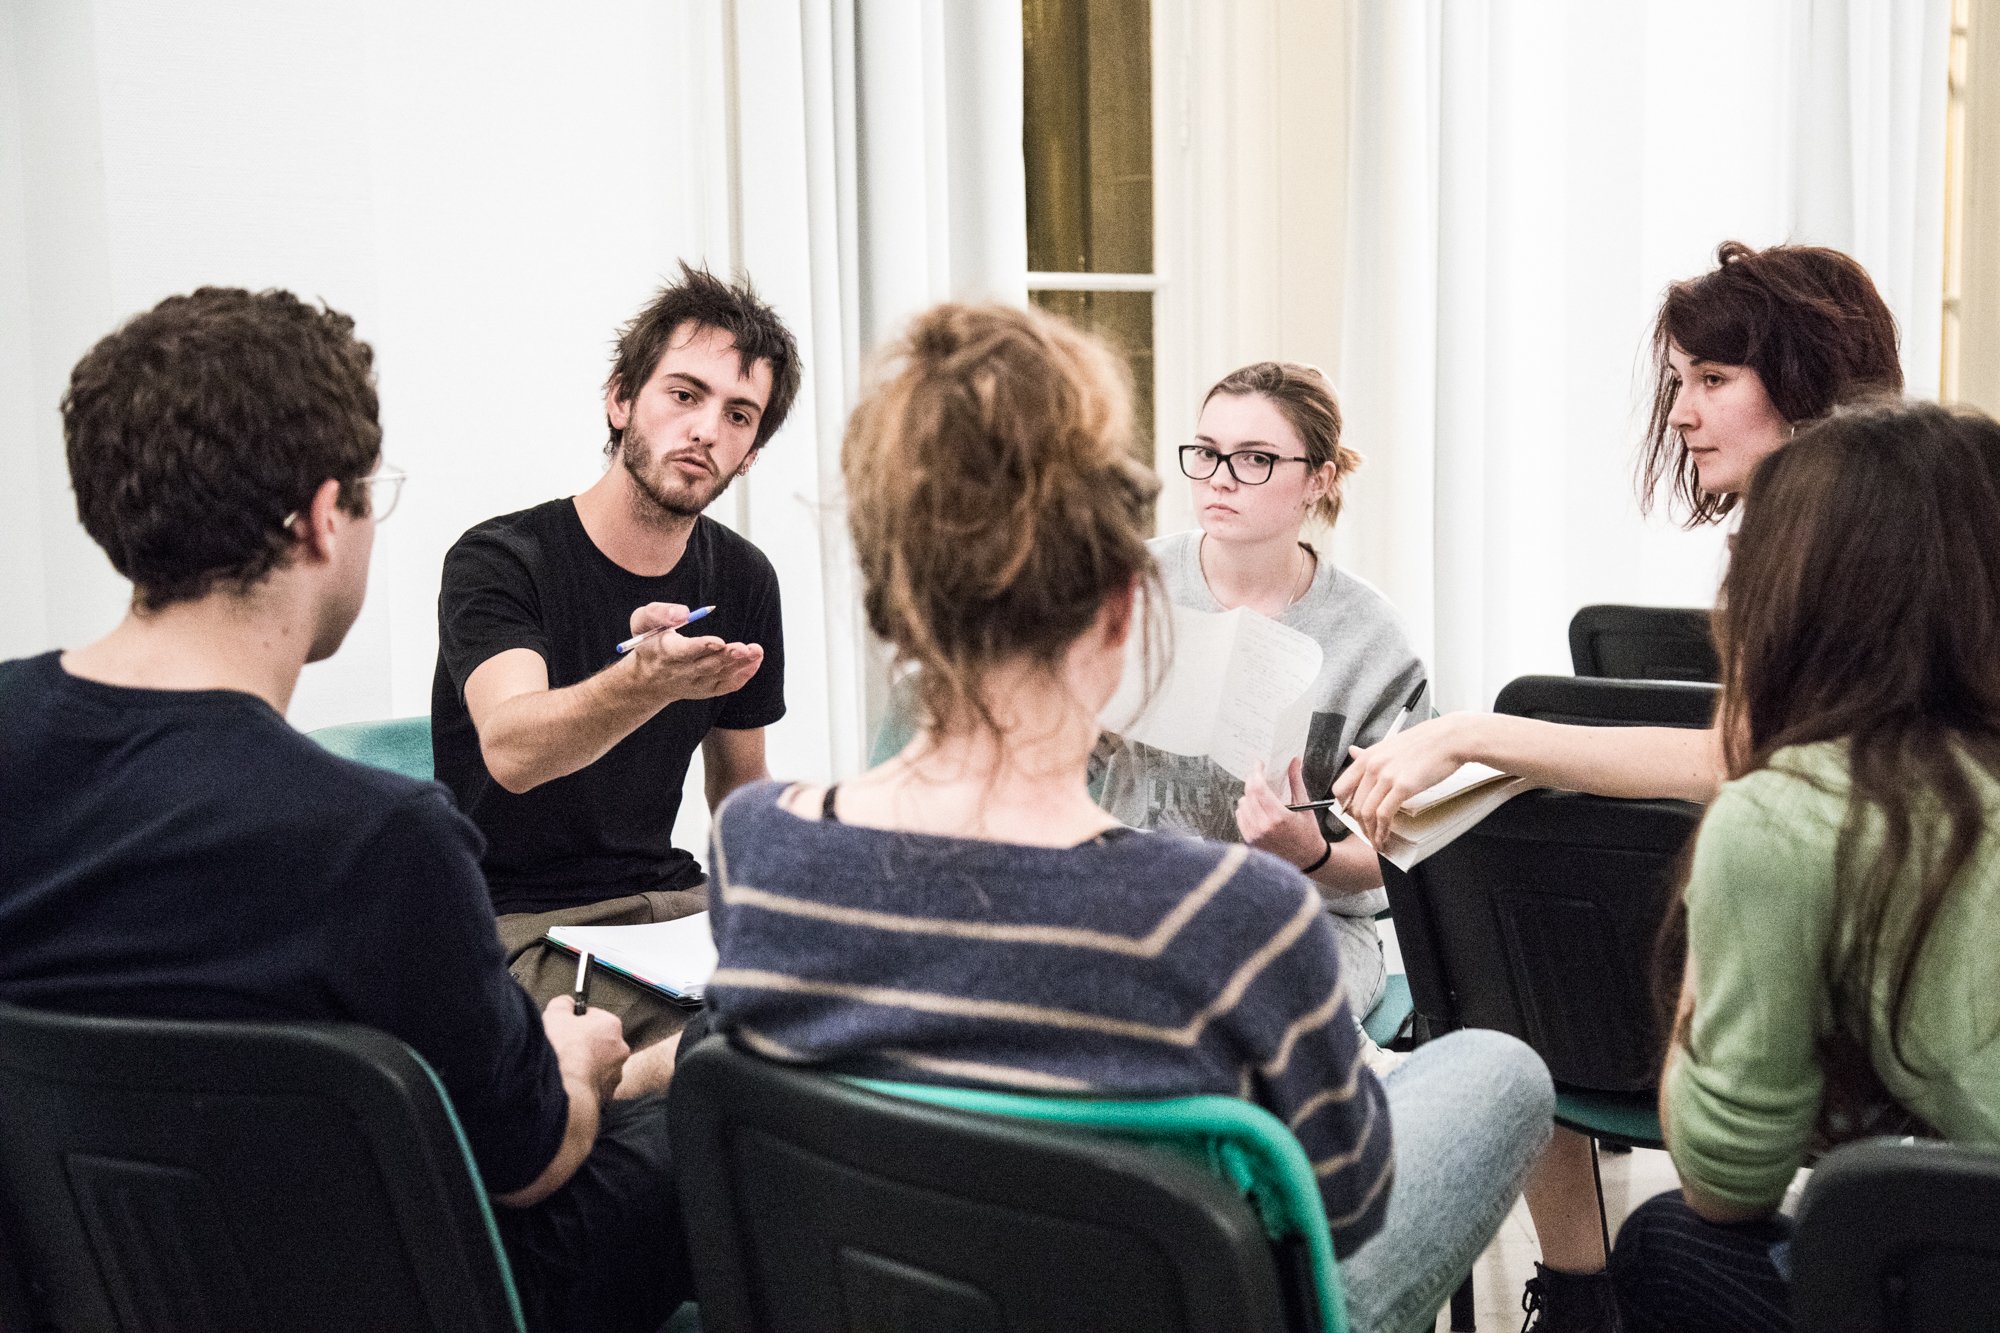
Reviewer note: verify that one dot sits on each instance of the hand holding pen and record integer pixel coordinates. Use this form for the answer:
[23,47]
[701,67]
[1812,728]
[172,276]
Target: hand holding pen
[580,996]
[589,1043]
[666,667]
[643,635]
[1402,720]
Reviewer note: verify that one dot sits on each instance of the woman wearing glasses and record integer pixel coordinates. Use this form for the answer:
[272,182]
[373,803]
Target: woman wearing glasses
[1266,465]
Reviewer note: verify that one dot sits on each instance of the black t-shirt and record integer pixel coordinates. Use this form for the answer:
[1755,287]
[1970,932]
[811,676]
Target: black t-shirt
[535,580]
[186,854]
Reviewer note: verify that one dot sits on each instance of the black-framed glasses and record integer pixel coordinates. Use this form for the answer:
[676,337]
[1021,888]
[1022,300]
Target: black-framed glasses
[1250,467]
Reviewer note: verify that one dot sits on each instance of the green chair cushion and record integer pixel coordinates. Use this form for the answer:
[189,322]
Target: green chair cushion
[401,745]
[1630,1118]
[1386,1019]
[1242,1143]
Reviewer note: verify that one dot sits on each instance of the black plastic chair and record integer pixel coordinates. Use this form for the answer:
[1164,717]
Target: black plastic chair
[1643,643]
[1899,1237]
[235,1176]
[1543,920]
[814,1205]
[1602,702]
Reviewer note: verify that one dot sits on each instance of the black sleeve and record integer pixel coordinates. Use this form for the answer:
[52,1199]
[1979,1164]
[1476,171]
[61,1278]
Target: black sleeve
[426,966]
[762,700]
[487,604]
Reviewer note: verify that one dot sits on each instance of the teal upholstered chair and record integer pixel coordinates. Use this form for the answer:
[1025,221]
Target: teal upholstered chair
[400,744]
[818,1204]
[1242,1143]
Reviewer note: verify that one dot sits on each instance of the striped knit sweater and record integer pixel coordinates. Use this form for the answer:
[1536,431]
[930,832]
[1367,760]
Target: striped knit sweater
[1148,964]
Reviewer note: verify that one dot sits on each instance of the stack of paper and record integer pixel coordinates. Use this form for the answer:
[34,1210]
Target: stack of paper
[675,958]
[1428,821]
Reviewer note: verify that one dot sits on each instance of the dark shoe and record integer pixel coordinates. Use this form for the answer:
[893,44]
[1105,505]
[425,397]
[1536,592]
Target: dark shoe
[1569,1302]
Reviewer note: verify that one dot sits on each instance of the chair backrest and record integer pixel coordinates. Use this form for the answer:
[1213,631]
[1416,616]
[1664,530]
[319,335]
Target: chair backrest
[1543,920]
[1598,702]
[816,1204]
[399,744]
[1899,1236]
[1643,643]
[239,1176]
[1227,1136]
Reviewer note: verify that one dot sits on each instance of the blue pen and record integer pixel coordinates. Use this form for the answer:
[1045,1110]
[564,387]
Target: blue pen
[638,639]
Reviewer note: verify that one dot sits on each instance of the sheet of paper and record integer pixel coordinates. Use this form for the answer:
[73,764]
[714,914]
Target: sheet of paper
[1192,659]
[1464,778]
[1265,714]
[675,957]
[1233,690]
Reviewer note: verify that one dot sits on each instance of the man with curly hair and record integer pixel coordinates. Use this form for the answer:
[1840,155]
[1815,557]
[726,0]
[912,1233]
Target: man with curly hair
[174,849]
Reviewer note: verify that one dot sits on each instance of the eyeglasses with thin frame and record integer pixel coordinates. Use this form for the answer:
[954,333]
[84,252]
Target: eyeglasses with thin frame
[385,487]
[1250,467]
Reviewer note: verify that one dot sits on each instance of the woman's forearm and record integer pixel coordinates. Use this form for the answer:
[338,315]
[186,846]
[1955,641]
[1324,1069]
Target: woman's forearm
[1675,762]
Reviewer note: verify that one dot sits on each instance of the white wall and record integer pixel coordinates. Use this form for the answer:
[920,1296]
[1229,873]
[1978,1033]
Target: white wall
[488,194]
[490,191]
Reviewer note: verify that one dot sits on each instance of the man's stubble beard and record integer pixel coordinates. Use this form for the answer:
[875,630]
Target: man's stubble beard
[655,506]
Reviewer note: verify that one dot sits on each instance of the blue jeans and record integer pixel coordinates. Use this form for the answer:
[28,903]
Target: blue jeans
[1362,970]
[1470,1113]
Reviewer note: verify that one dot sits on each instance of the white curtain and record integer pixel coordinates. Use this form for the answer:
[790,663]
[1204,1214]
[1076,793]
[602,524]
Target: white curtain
[881,171]
[1524,180]
[491,195]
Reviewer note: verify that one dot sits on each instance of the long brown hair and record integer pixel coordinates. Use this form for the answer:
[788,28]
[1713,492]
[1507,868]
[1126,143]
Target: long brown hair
[1862,607]
[1807,319]
[993,497]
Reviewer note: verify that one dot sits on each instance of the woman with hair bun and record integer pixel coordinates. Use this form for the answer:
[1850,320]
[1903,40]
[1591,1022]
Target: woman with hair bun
[1844,893]
[1267,463]
[1766,343]
[965,913]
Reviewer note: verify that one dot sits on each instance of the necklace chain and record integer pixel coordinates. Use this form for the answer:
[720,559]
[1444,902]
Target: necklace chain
[1301,582]
[1304,579]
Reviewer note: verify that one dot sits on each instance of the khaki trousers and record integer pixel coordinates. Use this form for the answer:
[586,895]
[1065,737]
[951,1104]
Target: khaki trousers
[545,971]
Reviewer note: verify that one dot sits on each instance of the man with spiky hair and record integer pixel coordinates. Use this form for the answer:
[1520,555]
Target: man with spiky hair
[174,849]
[568,752]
